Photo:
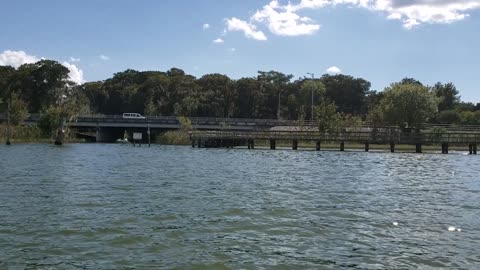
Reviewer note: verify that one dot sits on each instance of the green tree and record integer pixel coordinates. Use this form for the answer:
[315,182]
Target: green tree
[449,117]
[41,84]
[408,104]
[347,92]
[326,116]
[273,86]
[410,81]
[218,95]
[249,98]
[447,95]
[312,92]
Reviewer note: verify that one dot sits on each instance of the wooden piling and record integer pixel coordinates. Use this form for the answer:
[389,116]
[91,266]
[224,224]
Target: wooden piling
[272,144]
[444,148]
[367,146]
[474,148]
[295,144]
[470,149]
[392,147]
[317,146]
[251,144]
[342,146]
[418,148]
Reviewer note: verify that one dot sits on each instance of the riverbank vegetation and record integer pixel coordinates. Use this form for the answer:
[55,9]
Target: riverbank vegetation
[333,101]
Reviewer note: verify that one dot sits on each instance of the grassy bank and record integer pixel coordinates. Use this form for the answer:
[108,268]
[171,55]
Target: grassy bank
[30,134]
[174,137]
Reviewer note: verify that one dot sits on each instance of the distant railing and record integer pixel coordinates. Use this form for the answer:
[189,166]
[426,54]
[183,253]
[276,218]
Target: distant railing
[345,136]
[249,122]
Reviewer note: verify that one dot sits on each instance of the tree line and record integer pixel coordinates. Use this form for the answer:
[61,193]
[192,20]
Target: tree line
[43,87]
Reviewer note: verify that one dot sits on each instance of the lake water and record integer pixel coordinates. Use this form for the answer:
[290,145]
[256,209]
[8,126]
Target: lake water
[100,206]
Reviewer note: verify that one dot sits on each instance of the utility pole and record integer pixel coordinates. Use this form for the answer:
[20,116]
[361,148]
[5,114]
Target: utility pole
[313,77]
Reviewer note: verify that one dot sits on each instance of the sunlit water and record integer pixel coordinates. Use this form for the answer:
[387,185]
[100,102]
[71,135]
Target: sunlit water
[96,206]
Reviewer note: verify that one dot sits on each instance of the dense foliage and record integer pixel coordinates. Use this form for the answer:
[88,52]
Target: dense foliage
[43,87]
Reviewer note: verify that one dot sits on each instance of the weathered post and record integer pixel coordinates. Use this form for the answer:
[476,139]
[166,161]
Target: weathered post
[193,143]
[342,146]
[295,144]
[60,136]
[367,147]
[148,134]
[272,144]
[317,146]
[444,148]
[199,141]
[9,132]
[418,148]
[474,148]
[392,147]
[250,144]
[470,149]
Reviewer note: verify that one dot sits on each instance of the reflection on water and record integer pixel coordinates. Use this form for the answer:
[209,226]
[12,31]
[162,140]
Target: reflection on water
[94,206]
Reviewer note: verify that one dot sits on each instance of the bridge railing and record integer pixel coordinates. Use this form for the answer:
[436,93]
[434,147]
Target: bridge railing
[347,136]
[226,123]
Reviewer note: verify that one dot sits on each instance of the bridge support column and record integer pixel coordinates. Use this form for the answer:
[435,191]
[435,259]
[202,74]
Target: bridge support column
[317,145]
[367,146]
[342,146]
[418,148]
[295,144]
[272,144]
[392,147]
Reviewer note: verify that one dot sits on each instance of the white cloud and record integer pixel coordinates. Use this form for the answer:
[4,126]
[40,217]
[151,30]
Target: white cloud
[218,41]
[418,12]
[75,74]
[232,50]
[410,12]
[334,70]
[285,19]
[16,58]
[73,59]
[104,57]
[248,29]
[206,26]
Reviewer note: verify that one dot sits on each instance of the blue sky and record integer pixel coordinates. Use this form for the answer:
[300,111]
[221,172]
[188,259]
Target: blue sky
[382,41]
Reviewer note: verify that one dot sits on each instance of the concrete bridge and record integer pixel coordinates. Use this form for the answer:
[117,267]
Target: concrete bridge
[108,128]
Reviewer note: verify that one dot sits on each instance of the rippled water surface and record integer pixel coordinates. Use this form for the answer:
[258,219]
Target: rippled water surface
[94,206]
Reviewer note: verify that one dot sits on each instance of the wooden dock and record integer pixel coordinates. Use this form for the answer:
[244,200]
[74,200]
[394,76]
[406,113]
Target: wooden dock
[382,136]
